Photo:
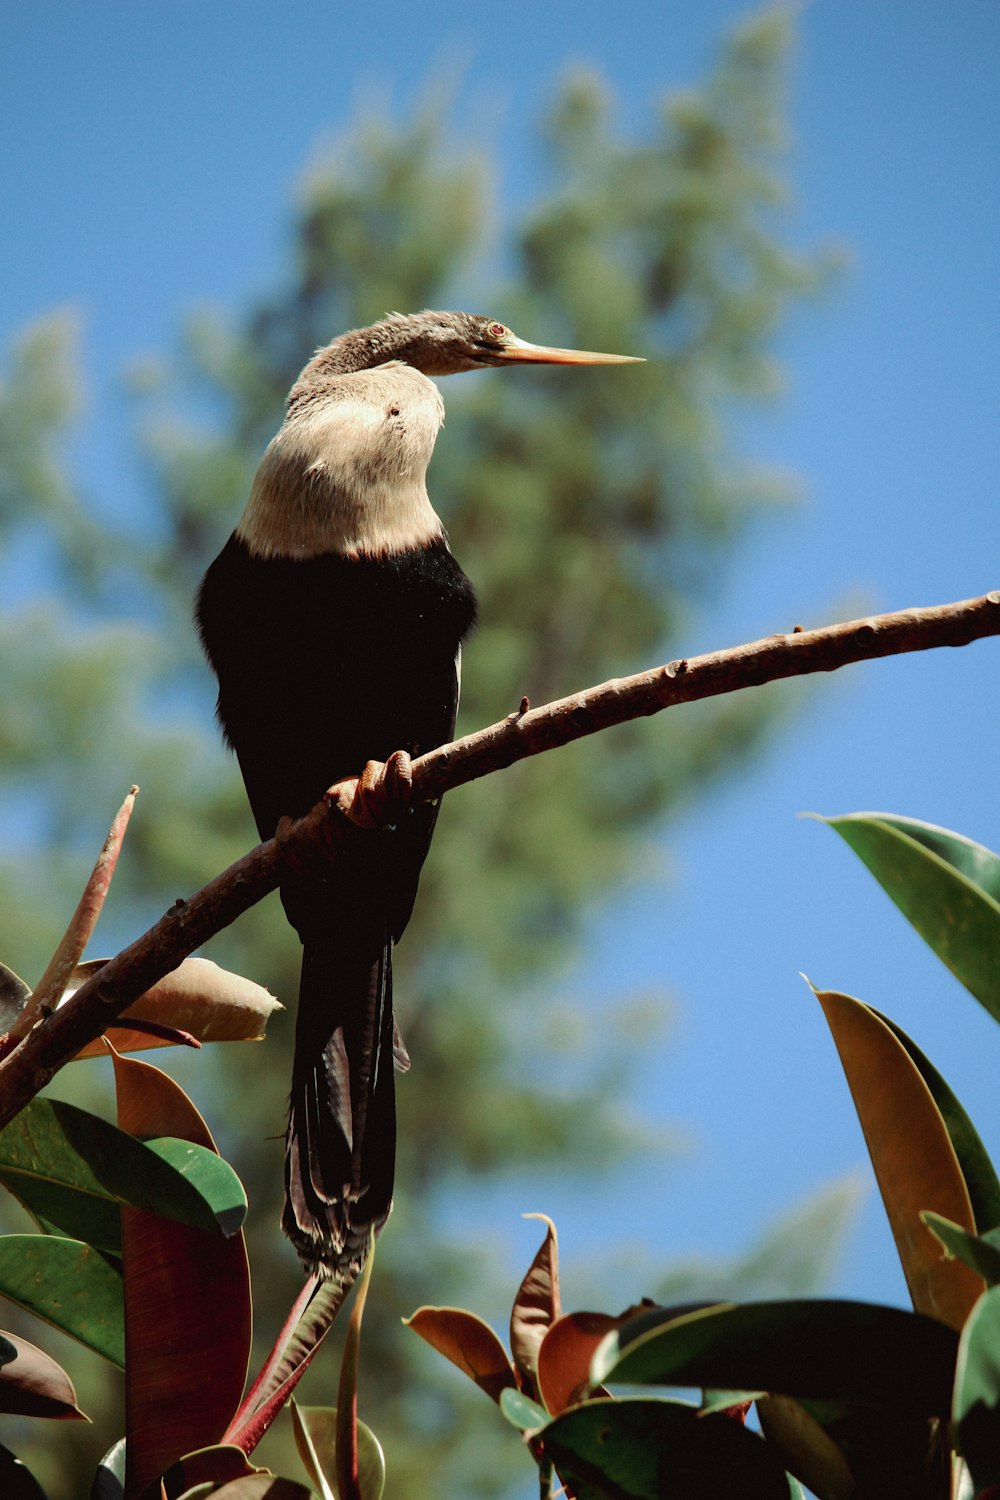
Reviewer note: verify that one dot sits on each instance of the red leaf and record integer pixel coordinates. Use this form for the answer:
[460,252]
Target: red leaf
[536,1307]
[33,1385]
[469,1343]
[305,1329]
[564,1357]
[187,1302]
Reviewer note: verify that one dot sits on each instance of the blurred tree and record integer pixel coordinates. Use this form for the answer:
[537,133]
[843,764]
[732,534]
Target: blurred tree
[589,510]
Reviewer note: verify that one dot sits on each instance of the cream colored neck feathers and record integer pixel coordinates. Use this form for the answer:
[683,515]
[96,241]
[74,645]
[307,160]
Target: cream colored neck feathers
[345,474]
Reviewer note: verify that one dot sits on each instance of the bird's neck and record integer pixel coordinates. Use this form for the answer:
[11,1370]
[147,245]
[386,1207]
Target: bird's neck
[346,473]
[360,349]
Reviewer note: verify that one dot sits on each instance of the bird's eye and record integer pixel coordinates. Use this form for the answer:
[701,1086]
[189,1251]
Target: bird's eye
[497,331]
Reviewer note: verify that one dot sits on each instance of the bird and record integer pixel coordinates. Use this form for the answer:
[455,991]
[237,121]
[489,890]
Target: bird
[334,619]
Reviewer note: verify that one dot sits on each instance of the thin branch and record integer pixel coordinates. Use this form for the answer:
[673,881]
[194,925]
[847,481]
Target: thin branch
[50,988]
[316,838]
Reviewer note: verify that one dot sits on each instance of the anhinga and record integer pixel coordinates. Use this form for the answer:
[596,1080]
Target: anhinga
[334,618]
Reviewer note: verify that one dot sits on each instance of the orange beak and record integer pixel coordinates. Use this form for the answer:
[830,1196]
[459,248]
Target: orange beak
[519,350]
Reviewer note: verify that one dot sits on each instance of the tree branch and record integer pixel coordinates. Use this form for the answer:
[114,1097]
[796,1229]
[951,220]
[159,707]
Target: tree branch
[315,839]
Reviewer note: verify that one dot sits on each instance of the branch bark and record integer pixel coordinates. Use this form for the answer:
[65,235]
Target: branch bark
[357,802]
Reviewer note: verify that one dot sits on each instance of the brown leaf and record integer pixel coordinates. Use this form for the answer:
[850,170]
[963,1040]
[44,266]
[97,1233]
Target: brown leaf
[469,1343]
[199,997]
[806,1450]
[912,1155]
[536,1307]
[187,1302]
[219,1465]
[33,1385]
[565,1354]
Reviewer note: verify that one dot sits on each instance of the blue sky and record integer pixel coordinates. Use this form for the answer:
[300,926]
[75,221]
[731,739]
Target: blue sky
[148,156]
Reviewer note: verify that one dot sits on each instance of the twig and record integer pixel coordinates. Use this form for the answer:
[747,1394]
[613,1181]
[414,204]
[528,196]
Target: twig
[49,990]
[328,826]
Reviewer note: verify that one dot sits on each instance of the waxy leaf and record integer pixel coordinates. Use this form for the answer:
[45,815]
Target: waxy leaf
[978,1170]
[977,1391]
[914,1161]
[198,997]
[536,1306]
[806,1450]
[16,1483]
[33,1385]
[211,1467]
[565,1355]
[185,1291]
[308,1323]
[644,1449]
[316,1440]
[109,1481]
[947,886]
[72,1169]
[823,1349]
[469,1343]
[68,1284]
[521,1412]
[980,1251]
[262,1487]
[895,1453]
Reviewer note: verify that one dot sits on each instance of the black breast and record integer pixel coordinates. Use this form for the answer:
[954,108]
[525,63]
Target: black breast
[328,662]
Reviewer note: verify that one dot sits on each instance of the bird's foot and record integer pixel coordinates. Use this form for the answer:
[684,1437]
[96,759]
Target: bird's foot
[381,794]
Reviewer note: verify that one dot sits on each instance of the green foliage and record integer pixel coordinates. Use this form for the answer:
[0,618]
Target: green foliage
[171,1307]
[71,1170]
[853,1398]
[948,888]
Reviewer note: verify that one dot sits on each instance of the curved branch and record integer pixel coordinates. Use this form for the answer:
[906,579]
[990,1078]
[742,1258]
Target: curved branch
[324,830]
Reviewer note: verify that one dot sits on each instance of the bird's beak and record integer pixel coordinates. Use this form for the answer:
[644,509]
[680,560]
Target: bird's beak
[520,351]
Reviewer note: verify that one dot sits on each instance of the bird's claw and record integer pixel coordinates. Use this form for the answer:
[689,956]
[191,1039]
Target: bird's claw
[381,793]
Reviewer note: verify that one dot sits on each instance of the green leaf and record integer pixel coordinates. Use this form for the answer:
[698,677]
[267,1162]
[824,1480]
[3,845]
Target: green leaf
[643,1449]
[977,1168]
[523,1413]
[68,1284]
[980,1251]
[894,1453]
[715,1401]
[827,1349]
[207,1469]
[976,1411]
[218,1199]
[109,1481]
[263,1487]
[315,1438]
[16,1483]
[947,886]
[805,1448]
[72,1169]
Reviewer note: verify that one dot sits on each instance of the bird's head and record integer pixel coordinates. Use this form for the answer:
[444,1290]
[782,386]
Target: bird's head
[446,343]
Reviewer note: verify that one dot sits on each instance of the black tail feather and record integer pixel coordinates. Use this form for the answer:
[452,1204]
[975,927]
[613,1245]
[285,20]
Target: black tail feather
[341,1140]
